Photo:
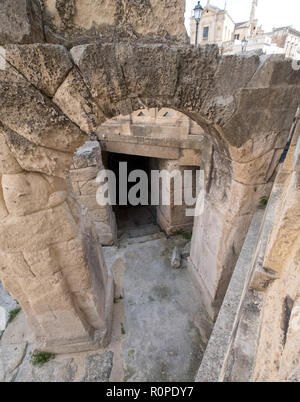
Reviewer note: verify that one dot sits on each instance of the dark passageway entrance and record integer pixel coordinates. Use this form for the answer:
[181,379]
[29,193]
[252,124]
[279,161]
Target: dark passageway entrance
[136,220]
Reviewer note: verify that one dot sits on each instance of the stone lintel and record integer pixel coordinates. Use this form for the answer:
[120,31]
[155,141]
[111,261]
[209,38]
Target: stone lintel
[151,151]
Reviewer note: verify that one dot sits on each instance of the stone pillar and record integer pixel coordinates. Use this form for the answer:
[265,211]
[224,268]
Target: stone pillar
[233,192]
[51,261]
[86,166]
[172,218]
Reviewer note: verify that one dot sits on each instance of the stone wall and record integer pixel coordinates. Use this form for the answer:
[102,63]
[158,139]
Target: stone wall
[278,355]
[87,163]
[71,22]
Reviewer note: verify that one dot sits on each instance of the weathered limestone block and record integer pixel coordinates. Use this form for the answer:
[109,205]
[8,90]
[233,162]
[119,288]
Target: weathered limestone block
[232,74]
[41,159]
[109,83]
[278,344]
[72,21]
[8,163]
[74,99]
[276,70]
[20,22]
[24,193]
[107,233]
[255,172]
[173,218]
[88,155]
[44,65]
[37,230]
[297,157]
[245,199]
[87,163]
[10,75]
[286,229]
[3,209]
[255,148]
[262,110]
[84,175]
[47,125]
[290,359]
[88,188]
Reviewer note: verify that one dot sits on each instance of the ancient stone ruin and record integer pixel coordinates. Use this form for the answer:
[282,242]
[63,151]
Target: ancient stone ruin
[69,70]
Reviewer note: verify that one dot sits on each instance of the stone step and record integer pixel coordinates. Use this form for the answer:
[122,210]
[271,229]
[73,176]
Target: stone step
[144,239]
[139,231]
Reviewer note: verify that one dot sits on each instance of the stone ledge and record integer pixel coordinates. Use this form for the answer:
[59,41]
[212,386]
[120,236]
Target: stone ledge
[212,366]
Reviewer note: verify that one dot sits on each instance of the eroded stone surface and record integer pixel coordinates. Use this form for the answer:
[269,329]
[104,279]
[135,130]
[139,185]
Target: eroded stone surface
[98,367]
[74,22]
[21,22]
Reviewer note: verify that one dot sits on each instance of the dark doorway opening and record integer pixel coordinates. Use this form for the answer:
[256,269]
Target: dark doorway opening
[138,220]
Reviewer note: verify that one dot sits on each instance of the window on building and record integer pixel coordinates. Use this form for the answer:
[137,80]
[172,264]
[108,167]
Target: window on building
[237,37]
[141,114]
[205,32]
[167,114]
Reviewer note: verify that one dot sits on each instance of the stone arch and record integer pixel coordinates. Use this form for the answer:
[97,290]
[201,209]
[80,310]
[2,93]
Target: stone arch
[244,103]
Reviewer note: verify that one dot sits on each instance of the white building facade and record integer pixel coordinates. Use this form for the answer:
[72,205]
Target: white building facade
[217,26]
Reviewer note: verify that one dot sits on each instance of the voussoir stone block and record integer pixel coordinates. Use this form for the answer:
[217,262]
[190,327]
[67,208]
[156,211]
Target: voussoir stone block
[44,65]
[75,100]
[20,22]
[8,163]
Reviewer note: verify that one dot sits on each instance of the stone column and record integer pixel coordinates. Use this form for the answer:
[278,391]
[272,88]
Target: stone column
[172,218]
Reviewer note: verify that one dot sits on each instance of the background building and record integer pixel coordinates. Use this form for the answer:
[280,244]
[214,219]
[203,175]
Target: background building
[217,26]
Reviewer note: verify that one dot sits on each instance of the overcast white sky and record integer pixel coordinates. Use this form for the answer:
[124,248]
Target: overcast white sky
[270,13]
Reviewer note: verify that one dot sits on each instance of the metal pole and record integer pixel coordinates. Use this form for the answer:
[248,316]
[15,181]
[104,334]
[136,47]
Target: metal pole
[197,28]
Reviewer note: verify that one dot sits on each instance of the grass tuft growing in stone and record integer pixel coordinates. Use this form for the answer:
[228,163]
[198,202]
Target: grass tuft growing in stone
[117,299]
[185,235]
[13,313]
[41,358]
[264,201]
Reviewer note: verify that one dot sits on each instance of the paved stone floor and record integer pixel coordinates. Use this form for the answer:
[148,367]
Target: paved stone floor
[159,333]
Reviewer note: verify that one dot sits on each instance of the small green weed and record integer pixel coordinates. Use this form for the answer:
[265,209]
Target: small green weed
[264,201]
[13,313]
[117,299]
[41,358]
[185,235]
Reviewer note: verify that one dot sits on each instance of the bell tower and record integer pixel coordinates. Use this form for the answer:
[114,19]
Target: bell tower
[253,11]
[253,21]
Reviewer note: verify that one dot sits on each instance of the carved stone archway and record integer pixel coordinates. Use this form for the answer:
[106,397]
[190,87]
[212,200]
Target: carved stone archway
[50,100]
